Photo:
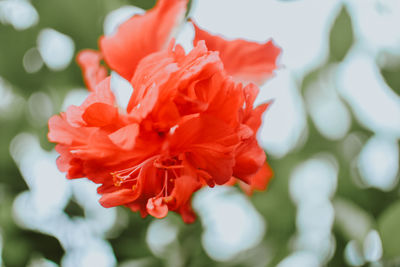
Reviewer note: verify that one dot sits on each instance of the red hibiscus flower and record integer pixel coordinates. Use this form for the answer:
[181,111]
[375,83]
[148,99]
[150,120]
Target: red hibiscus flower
[189,122]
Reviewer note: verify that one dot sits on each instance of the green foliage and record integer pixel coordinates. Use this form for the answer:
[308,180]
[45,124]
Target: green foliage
[390,231]
[73,209]
[341,36]
[392,78]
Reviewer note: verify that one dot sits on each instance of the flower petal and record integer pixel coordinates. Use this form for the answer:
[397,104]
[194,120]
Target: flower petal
[125,137]
[118,197]
[187,213]
[73,115]
[93,72]
[259,181]
[157,208]
[184,188]
[152,72]
[99,114]
[252,117]
[249,159]
[60,131]
[142,35]
[67,163]
[101,94]
[209,145]
[246,61]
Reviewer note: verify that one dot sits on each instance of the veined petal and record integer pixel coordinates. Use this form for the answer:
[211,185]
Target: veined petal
[244,60]
[142,35]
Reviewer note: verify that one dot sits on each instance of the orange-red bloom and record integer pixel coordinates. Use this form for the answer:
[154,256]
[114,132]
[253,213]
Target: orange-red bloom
[244,60]
[189,122]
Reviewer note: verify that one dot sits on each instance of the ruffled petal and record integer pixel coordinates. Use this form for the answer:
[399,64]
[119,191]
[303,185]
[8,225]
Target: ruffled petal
[252,117]
[73,116]
[67,163]
[142,35]
[209,145]
[246,61]
[101,94]
[249,159]
[152,73]
[60,131]
[226,99]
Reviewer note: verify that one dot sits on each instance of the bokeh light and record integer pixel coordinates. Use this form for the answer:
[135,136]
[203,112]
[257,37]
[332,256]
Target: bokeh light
[231,224]
[19,13]
[56,49]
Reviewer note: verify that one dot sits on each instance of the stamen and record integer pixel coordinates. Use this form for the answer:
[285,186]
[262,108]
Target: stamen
[125,175]
[167,179]
[164,186]
[166,183]
[174,172]
[122,176]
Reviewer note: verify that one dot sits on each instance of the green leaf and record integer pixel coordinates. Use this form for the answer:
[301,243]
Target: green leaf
[392,78]
[389,230]
[341,36]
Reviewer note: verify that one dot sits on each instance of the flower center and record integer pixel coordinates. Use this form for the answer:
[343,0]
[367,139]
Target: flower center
[171,167]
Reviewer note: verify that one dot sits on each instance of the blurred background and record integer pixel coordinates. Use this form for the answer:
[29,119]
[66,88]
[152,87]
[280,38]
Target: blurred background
[331,136]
